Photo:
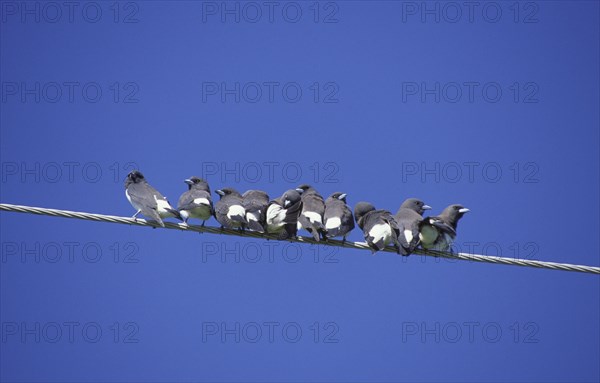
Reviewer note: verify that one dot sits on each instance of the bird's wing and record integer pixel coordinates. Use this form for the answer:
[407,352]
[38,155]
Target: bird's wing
[313,202]
[222,208]
[348,218]
[184,200]
[403,226]
[442,226]
[194,198]
[390,220]
[292,213]
[409,224]
[254,205]
[142,195]
[153,191]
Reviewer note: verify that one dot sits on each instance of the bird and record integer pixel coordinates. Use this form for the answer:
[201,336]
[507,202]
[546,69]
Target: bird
[255,203]
[229,210]
[313,208]
[408,218]
[196,202]
[379,226]
[147,200]
[338,216]
[282,215]
[438,233]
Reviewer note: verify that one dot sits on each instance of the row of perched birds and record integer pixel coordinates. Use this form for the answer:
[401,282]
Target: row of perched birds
[301,208]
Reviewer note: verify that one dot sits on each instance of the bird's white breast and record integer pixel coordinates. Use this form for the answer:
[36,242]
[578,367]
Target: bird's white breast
[136,206]
[128,197]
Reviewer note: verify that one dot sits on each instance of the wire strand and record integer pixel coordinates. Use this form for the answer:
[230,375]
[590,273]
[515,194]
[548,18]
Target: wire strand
[330,242]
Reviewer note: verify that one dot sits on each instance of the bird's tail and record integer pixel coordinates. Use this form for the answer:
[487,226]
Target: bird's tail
[404,251]
[304,221]
[313,227]
[153,216]
[375,246]
[176,214]
[255,226]
[315,234]
[333,232]
[290,231]
[239,218]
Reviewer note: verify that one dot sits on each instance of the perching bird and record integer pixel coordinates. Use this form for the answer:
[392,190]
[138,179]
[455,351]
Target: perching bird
[255,203]
[282,214]
[229,210]
[147,200]
[379,226]
[313,208]
[408,218]
[338,216]
[438,233]
[196,202]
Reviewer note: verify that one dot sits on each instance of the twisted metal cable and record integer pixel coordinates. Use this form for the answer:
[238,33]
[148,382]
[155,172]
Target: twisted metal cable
[331,242]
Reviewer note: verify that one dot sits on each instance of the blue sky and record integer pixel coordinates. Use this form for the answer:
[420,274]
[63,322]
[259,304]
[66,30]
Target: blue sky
[494,107]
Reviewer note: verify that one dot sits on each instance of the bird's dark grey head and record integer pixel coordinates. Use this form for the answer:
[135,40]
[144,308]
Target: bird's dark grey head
[360,210]
[290,198]
[453,213]
[304,188]
[416,205]
[134,177]
[258,194]
[197,183]
[228,191]
[338,195]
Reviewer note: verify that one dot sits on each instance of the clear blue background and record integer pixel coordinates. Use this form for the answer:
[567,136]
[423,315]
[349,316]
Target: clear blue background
[171,134]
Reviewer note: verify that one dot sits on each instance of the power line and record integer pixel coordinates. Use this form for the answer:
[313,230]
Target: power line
[251,234]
